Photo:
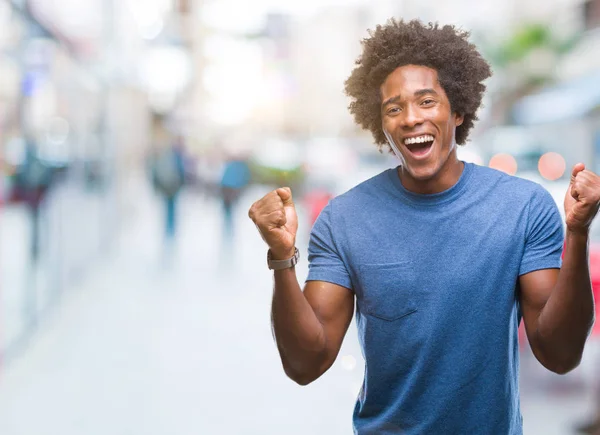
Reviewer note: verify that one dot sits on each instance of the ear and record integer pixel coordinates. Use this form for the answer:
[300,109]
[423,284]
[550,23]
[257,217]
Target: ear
[458,119]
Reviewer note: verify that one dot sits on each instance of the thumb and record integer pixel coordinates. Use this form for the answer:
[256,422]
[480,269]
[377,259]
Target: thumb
[285,193]
[576,170]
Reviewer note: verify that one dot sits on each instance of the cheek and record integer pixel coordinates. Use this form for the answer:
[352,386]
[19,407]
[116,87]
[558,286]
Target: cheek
[448,129]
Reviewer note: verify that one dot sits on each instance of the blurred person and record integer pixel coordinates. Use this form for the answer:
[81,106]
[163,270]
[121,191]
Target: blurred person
[443,257]
[168,178]
[234,179]
[32,181]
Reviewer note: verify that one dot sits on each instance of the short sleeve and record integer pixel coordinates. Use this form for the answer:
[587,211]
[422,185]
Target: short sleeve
[324,260]
[544,234]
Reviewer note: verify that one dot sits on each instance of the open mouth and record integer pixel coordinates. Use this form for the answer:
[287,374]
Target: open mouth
[419,146]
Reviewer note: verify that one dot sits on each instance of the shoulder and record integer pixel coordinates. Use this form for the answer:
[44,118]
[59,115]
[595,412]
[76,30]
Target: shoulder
[505,184]
[520,195]
[493,175]
[365,194]
[371,188]
[358,199]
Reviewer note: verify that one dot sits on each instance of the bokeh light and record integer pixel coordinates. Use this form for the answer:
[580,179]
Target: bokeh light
[505,163]
[552,166]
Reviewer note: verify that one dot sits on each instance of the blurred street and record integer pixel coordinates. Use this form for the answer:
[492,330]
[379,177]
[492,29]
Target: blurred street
[151,346]
[134,135]
[145,346]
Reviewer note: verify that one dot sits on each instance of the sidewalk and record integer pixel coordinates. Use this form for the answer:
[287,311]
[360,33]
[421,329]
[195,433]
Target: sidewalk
[144,347]
[71,224]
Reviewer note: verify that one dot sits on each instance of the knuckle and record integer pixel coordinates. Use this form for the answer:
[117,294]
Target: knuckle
[280,217]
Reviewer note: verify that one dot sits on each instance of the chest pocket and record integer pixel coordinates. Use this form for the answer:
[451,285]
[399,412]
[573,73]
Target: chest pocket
[388,290]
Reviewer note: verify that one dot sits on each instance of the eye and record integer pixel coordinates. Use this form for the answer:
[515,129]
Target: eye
[428,101]
[393,110]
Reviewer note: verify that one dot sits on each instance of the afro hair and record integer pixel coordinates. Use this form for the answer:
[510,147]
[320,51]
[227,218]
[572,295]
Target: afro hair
[461,70]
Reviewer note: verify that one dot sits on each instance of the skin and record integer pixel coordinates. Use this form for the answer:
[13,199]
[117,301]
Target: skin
[309,324]
[558,305]
[414,103]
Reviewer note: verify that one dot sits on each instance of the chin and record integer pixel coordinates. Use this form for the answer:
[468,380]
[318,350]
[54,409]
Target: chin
[422,173]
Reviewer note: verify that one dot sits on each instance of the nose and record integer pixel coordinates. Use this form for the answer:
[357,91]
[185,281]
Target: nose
[412,117]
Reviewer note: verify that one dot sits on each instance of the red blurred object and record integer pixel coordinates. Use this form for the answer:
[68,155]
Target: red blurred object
[595,275]
[315,201]
[522,335]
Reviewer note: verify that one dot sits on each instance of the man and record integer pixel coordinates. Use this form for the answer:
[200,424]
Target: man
[234,179]
[168,178]
[33,180]
[443,258]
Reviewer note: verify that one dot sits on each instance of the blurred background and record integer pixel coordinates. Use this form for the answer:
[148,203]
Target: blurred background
[134,136]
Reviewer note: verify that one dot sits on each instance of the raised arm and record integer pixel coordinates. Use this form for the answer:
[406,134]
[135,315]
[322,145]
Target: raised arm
[558,305]
[309,326]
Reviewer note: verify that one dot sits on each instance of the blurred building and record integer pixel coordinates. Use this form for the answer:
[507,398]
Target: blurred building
[79,82]
[564,115]
[320,55]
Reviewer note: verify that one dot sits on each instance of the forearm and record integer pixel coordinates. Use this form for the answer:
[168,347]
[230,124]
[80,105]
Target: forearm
[299,334]
[566,320]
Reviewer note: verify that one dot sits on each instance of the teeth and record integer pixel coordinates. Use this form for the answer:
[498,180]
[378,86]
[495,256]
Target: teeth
[419,139]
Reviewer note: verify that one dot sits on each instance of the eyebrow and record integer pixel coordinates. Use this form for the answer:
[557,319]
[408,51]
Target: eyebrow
[418,93]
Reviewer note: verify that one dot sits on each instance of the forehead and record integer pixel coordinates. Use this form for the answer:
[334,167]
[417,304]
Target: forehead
[407,79]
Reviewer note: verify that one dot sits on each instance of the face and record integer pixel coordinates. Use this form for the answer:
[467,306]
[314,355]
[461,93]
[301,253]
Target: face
[419,124]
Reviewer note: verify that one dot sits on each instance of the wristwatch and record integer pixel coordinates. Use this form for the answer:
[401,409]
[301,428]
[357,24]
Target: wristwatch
[283,264]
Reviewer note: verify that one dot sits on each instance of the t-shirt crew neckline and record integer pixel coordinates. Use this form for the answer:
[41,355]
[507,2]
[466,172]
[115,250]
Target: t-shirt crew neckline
[433,198]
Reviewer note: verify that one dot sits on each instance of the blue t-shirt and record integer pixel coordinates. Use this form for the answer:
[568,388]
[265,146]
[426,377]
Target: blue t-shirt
[436,284]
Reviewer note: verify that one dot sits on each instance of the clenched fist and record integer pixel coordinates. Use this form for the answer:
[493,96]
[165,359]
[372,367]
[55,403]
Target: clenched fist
[582,199]
[275,217]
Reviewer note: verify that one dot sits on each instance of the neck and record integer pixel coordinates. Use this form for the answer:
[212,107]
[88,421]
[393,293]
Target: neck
[444,179]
